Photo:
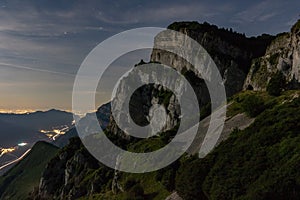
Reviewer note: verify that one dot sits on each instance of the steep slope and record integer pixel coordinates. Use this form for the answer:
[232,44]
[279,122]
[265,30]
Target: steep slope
[260,162]
[232,52]
[21,180]
[73,173]
[259,157]
[283,55]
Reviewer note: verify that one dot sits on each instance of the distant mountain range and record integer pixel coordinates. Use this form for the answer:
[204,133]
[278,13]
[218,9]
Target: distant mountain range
[16,128]
[18,132]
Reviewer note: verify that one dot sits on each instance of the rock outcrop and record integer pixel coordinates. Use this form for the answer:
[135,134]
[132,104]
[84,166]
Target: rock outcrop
[73,173]
[282,55]
[232,53]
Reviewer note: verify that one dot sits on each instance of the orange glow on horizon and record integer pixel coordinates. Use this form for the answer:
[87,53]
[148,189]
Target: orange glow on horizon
[27,111]
[21,111]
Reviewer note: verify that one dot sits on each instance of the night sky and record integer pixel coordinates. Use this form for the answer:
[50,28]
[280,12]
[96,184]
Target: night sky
[43,42]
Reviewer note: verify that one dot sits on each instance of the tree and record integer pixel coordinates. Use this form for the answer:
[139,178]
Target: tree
[253,105]
[276,84]
[136,192]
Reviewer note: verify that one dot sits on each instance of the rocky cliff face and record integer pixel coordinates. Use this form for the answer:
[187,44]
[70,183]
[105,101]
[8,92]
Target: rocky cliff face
[140,105]
[73,173]
[232,53]
[283,55]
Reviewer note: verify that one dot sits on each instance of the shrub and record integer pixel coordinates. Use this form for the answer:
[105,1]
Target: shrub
[253,105]
[276,84]
[205,111]
[136,192]
[274,59]
[190,178]
[129,184]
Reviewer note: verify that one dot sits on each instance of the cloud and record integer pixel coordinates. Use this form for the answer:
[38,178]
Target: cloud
[258,12]
[35,69]
[165,12]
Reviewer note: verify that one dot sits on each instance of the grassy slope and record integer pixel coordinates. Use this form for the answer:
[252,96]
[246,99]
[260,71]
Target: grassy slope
[219,174]
[25,176]
[260,162]
[156,189]
[153,189]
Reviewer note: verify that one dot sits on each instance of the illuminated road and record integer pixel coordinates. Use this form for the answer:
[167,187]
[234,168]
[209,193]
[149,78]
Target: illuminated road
[16,160]
[56,132]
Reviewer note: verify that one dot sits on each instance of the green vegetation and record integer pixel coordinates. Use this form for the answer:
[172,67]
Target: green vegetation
[276,84]
[261,73]
[257,45]
[274,58]
[249,165]
[236,103]
[205,111]
[253,105]
[23,178]
[260,162]
[164,97]
[136,192]
[146,145]
[250,102]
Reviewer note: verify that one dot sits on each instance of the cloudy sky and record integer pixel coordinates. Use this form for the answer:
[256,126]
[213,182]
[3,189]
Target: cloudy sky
[43,42]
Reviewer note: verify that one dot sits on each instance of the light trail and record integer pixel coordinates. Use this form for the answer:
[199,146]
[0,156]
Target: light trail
[17,160]
[9,150]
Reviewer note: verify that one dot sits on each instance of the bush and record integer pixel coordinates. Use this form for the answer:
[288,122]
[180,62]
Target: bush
[260,162]
[274,59]
[205,111]
[189,179]
[136,192]
[276,84]
[253,105]
[129,184]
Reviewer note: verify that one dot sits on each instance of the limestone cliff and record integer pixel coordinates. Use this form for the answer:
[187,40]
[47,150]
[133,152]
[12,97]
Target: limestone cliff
[73,173]
[232,52]
[283,55]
